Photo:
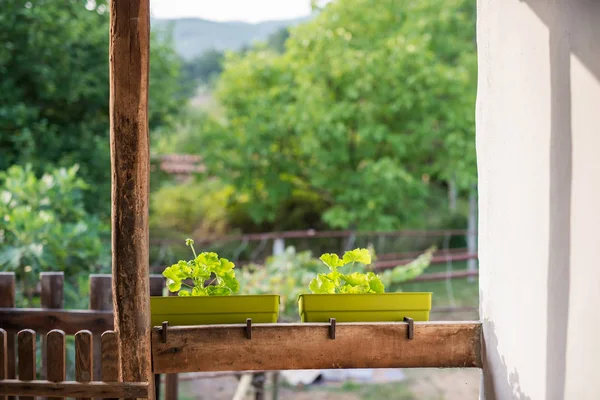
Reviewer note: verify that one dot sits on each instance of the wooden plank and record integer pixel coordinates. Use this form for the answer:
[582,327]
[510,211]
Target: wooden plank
[307,346]
[73,389]
[43,320]
[7,299]
[83,358]
[100,299]
[171,386]
[3,358]
[26,350]
[130,168]
[110,357]
[56,358]
[52,296]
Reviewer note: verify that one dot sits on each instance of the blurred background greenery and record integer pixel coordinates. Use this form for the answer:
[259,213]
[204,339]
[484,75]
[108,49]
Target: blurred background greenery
[359,117]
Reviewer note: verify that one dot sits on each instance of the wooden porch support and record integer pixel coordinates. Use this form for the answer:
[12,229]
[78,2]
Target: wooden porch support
[129,64]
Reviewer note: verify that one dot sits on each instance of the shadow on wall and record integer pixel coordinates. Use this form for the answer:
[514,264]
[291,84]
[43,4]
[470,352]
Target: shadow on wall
[491,356]
[573,31]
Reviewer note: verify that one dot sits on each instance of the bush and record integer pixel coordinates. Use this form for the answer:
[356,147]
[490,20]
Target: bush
[45,227]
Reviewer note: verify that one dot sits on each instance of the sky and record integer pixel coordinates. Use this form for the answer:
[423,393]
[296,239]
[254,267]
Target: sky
[230,10]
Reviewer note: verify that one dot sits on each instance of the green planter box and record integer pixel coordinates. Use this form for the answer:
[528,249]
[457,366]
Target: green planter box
[384,307]
[208,310]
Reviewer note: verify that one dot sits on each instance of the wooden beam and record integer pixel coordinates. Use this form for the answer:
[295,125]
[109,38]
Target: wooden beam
[7,299]
[130,165]
[308,346]
[73,389]
[43,320]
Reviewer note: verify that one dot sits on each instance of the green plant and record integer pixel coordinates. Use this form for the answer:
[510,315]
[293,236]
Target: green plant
[204,267]
[352,282]
[44,226]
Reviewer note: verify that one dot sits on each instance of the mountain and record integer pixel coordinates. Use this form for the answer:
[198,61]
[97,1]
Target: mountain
[193,36]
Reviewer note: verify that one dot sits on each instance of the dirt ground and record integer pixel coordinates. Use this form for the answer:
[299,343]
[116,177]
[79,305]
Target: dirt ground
[420,384]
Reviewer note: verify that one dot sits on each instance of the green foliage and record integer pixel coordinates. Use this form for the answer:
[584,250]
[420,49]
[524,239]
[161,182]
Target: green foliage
[203,267]
[45,227]
[370,108]
[197,207]
[203,69]
[287,275]
[352,282]
[55,86]
[290,273]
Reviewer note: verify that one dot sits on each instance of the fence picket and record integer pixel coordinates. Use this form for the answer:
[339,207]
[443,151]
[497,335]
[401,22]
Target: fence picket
[83,358]
[26,350]
[56,358]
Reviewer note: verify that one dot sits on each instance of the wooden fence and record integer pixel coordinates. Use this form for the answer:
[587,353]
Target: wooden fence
[55,386]
[52,317]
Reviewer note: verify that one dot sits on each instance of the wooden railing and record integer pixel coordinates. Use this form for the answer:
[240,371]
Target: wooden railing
[55,386]
[52,317]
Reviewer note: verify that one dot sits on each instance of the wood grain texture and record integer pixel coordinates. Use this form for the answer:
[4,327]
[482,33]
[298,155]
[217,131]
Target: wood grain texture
[7,299]
[3,358]
[308,346]
[52,284]
[110,357]
[44,320]
[130,164]
[73,389]
[52,296]
[100,299]
[26,351]
[56,358]
[83,358]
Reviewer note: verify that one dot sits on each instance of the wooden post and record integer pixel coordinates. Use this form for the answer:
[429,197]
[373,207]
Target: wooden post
[100,299]
[52,297]
[3,358]
[130,165]
[7,299]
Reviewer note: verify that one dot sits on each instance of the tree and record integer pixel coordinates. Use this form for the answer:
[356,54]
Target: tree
[371,107]
[45,227]
[54,89]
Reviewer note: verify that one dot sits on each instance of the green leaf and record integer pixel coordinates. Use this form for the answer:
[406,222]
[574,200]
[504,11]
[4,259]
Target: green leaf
[184,293]
[321,285]
[353,289]
[173,285]
[198,291]
[362,256]
[224,266]
[231,282]
[375,283]
[208,259]
[356,279]
[200,272]
[218,291]
[331,260]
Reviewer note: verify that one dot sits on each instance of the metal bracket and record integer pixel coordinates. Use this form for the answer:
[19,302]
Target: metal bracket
[331,328]
[411,327]
[163,331]
[248,328]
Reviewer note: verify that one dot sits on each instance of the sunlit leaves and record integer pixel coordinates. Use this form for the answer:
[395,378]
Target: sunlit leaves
[357,255]
[350,282]
[199,271]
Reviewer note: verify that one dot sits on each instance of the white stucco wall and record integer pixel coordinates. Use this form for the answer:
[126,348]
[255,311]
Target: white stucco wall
[538,144]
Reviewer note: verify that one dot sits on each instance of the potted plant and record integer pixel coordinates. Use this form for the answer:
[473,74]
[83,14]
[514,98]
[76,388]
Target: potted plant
[350,296]
[207,288]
